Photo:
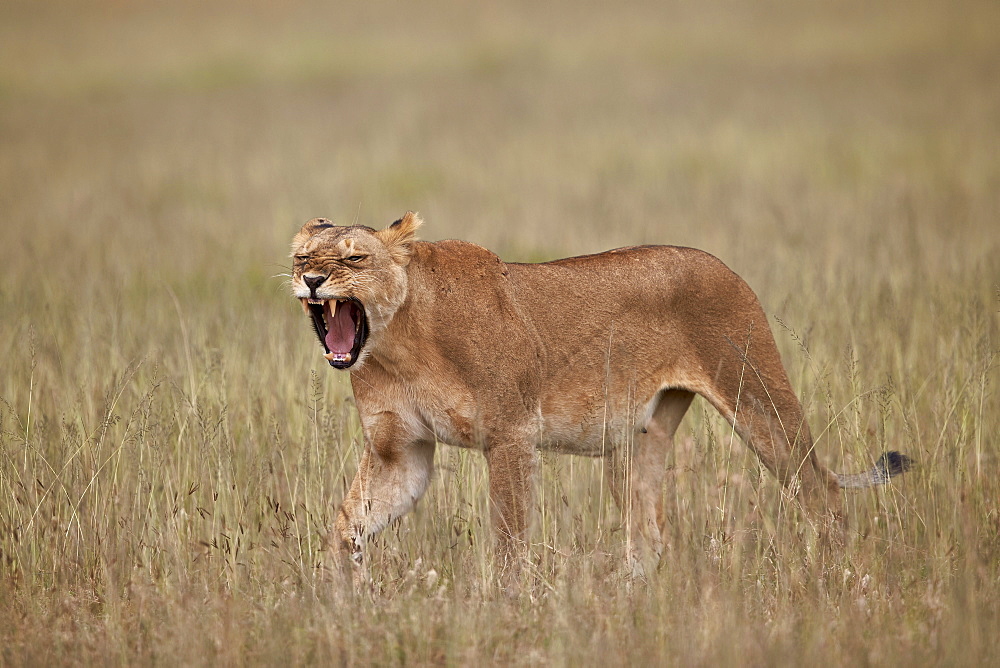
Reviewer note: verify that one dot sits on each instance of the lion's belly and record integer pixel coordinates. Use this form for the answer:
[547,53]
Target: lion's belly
[579,421]
[592,433]
[569,418]
[587,442]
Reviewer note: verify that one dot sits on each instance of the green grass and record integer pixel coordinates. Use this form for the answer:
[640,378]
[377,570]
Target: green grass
[172,448]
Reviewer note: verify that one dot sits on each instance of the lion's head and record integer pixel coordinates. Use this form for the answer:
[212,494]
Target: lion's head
[351,280]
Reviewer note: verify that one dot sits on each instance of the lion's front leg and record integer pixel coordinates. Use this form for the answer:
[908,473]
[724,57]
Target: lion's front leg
[511,469]
[393,474]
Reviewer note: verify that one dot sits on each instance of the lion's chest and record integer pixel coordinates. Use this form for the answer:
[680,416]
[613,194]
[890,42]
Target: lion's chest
[445,414]
[452,425]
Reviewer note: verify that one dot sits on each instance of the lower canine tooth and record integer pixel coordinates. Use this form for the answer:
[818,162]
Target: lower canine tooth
[338,357]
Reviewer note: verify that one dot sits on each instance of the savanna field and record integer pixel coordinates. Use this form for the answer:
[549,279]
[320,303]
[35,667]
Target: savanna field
[173,446]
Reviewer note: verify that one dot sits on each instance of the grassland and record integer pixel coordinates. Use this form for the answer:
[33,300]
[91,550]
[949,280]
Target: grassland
[172,447]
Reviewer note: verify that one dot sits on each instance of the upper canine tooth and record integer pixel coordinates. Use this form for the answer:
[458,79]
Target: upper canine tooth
[333,308]
[305,305]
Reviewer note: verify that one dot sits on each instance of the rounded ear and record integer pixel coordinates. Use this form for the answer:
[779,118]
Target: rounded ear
[399,236]
[315,225]
[309,229]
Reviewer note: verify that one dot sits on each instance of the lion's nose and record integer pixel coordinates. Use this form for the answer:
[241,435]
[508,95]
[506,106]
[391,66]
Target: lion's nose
[313,281]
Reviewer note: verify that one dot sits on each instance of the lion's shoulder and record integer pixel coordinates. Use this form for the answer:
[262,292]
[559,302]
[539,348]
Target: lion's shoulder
[459,258]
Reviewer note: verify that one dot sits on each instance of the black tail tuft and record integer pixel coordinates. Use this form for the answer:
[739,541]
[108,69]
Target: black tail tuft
[893,463]
[888,465]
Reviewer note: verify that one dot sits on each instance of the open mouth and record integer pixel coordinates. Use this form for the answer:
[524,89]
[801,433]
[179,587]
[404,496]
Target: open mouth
[341,326]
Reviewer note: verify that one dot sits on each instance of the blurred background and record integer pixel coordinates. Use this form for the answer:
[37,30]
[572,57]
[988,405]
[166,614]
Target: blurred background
[534,128]
[157,157]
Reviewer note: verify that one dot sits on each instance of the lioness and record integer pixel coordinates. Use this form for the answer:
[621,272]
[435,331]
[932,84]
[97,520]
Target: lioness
[597,355]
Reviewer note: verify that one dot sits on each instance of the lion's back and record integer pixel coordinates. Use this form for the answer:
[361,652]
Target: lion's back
[643,281]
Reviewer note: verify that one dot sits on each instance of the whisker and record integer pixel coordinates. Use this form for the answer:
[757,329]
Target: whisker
[358,214]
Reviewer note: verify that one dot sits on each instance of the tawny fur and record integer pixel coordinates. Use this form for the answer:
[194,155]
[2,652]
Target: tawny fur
[598,355]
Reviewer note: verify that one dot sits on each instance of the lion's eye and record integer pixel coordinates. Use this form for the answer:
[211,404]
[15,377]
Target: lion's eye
[301,258]
[356,258]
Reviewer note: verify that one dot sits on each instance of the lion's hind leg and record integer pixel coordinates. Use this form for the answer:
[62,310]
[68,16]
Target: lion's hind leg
[751,390]
[635,473]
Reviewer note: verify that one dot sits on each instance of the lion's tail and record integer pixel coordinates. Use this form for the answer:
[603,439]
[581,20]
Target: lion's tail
[888,465]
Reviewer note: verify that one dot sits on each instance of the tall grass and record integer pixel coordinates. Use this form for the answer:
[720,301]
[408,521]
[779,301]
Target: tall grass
[172,448]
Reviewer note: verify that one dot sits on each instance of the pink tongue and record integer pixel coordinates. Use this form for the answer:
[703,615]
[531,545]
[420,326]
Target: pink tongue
[340,332]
